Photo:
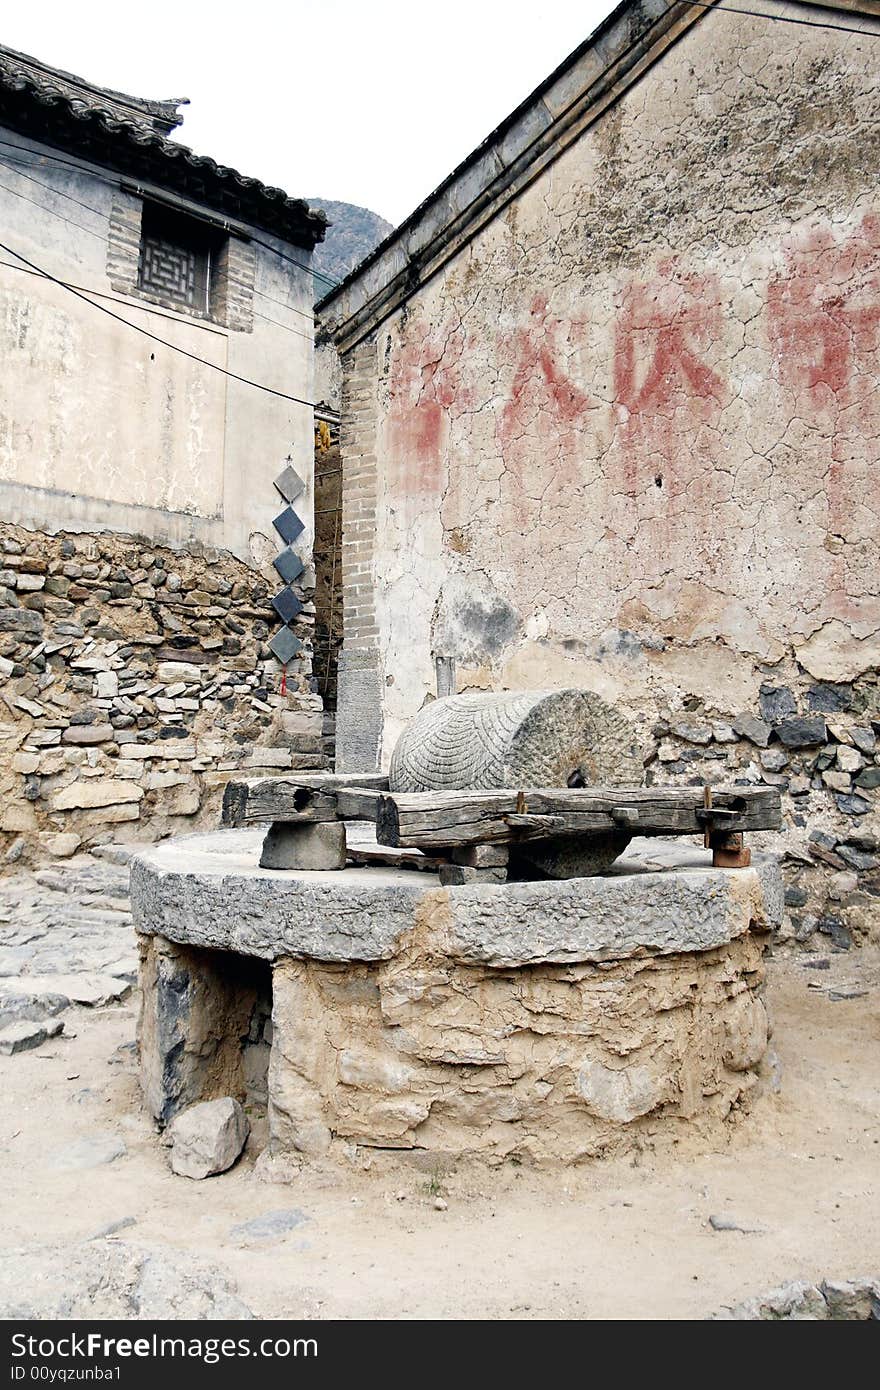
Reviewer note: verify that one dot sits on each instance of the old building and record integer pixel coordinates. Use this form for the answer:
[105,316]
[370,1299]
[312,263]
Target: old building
[611,417]
[157,347]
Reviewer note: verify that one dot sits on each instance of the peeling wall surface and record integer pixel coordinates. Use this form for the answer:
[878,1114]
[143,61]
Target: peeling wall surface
[627,438]
[101,428]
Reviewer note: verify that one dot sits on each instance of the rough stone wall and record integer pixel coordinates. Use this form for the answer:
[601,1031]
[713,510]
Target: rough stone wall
[137,500]
[135,680]
[543,1062]
[627,439]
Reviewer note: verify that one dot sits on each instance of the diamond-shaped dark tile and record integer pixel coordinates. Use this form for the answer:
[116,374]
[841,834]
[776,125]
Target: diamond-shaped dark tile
[288,525]
[287,605]
[289,483]
[289,565]
[284,646]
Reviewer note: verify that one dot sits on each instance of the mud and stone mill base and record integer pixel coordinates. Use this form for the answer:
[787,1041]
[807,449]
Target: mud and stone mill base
[399,1004]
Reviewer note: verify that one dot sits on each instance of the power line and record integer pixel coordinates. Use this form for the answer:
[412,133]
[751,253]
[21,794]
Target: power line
[291,308]
[60,193]
[782,18]
[116,183]
[297,333]
[150,303]
[561,116]
[145,332]
[16,193]
[40,183]
[318,274]
[287,328]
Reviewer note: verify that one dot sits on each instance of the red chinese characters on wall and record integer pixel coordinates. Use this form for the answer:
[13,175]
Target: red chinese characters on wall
[665,391]
[662,436]
[426,386]
[824,330]
[542,383]
[539,430]
[825,313]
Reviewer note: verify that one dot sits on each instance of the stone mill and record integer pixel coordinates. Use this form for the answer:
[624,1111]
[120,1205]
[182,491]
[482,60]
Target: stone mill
[502,949]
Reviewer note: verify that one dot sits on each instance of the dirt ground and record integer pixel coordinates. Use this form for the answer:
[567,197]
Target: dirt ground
[614,1239]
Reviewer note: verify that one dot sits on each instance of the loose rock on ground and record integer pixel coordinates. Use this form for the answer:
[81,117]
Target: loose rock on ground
[207,1138]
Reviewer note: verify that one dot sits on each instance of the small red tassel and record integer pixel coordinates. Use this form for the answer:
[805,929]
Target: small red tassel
[283,680]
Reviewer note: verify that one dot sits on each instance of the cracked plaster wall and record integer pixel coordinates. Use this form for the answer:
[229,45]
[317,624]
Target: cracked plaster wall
[628,438]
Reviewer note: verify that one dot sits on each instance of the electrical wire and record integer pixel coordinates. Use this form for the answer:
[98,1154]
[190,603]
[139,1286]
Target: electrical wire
[282,304]
[297,333]
[10,165]
[286,327]
[116,183]
[59,192]
[317,274]
[154,337]
[563,114]
[330,280]
[16,193]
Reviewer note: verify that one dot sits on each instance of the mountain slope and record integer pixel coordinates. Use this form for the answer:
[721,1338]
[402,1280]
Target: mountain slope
[353,234]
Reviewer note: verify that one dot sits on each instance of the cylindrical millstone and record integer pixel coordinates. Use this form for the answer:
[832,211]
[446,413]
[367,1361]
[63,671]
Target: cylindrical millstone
[522,739]
[528,738]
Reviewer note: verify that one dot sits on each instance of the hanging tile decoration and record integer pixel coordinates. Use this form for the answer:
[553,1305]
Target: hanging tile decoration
[288,525]
[289,565]
[289,484]
[284,645]
[287,605]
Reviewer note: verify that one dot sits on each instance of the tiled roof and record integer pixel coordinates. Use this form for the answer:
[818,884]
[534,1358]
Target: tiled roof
[160,116]
[130,135]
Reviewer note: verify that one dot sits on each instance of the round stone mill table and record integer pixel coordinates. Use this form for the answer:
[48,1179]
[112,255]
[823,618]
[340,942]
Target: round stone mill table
[550,1021]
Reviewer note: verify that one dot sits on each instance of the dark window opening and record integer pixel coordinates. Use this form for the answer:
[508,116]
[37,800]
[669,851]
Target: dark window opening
[176,258]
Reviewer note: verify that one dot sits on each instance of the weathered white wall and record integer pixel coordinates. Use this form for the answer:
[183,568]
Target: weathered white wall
[136,540]
[102,429]
[628,438]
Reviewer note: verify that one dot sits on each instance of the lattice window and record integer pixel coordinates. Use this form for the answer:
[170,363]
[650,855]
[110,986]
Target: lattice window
[175,258]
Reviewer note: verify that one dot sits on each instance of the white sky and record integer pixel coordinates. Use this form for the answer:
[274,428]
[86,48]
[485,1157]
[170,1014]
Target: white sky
[371,103]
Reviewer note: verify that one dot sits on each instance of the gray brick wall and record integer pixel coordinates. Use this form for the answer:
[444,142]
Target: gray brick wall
[359,707]
[233,266]
[124,241]
[232,285]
